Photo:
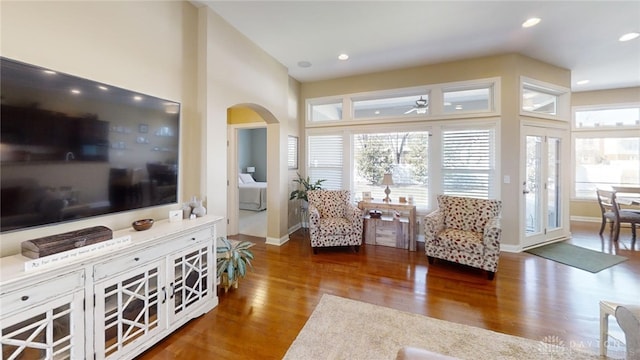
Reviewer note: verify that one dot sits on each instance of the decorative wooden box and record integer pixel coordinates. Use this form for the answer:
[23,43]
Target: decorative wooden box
[53,244]
[387,231]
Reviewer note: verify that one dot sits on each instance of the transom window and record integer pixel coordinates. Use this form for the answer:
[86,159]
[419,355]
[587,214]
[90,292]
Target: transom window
[544,100]
[467,100]
[626,116]
[391,106]
[326,112]
[474,98]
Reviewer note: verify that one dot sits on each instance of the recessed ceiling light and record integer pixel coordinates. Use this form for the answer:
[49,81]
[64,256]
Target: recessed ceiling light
[343,57]
[102,87]
[377,112]
[530,22]
[75,91]
[49,72]
[582,82]
[458,107]
[137,98]
[304,64]
[629,36]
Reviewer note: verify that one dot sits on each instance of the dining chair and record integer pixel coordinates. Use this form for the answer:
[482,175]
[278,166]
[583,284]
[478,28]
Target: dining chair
[611,212]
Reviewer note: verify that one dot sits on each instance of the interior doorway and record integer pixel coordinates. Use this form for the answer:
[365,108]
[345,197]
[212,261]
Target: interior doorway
[247,210]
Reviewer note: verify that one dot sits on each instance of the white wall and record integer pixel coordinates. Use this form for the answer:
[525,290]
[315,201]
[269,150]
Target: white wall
[234,71]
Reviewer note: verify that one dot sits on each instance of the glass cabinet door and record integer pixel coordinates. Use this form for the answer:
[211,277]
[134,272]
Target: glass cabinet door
[129,309]
[54,330]
[191,281]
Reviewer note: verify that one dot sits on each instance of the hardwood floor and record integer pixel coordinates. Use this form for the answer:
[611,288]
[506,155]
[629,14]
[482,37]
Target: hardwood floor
[530,297]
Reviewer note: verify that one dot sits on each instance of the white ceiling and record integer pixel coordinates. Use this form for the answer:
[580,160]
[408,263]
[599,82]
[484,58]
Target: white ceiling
[382,35]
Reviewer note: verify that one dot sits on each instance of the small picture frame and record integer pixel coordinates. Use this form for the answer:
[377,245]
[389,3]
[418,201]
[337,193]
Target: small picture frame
[366,195]
[143,128]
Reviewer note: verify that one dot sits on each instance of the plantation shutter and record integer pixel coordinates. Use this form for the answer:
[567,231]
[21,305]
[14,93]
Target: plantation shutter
[292,152]
[468,163]
[325,160]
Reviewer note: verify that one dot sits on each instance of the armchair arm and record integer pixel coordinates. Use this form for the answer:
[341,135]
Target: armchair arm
[433,224]
[354,214]
[314,216]
[492,234]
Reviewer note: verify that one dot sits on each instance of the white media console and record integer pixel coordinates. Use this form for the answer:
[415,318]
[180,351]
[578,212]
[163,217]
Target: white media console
[114,303]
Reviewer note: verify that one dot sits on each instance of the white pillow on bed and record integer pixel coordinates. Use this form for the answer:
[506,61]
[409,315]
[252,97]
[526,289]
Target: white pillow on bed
[246,179]
[240,179]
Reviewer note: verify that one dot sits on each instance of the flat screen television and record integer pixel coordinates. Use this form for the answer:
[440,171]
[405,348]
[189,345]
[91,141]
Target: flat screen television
[72,148]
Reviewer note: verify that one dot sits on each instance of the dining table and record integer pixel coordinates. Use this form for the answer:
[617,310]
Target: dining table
[628,196]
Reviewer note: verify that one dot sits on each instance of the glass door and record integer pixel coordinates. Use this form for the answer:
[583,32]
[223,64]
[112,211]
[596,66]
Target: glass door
[542,187]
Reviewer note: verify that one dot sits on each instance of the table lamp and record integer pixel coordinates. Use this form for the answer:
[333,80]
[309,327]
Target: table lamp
[387,180]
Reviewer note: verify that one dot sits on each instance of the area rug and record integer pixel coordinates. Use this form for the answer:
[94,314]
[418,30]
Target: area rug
[578,257]
[342,328]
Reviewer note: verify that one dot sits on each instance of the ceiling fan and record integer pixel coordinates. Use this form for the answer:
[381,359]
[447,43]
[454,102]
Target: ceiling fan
[421,106]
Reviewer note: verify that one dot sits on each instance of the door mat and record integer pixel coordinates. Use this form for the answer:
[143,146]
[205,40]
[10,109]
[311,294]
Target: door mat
[578,257]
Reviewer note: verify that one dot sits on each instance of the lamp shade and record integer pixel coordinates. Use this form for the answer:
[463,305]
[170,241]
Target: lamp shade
[387,179]
[251,169]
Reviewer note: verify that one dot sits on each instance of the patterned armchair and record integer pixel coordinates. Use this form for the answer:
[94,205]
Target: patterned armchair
[333,219]
[465,231]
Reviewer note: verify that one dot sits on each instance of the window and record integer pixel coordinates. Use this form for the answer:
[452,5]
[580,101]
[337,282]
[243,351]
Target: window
[538,101]
[544,100]
[467,100]
[403,154]
[326,112]
[292,152]
[325,160]
[605,151]
[434,139]
[392,106]
[607,118]
[468,163]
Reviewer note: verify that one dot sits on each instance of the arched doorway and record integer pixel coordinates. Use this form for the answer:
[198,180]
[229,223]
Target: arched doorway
[240,119]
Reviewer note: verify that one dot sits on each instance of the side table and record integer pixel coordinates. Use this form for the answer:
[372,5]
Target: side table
[407,208]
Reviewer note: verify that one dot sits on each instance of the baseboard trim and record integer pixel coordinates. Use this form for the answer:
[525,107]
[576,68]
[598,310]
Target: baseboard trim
[278,242]
[510,248]
[585,219]
[295,228]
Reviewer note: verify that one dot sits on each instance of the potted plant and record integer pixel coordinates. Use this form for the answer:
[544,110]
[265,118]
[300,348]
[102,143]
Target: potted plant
[232,261]
[304,186]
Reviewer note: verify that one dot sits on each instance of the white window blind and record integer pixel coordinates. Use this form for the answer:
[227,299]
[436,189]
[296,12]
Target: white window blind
[325,160]
[468,163]
[292,152]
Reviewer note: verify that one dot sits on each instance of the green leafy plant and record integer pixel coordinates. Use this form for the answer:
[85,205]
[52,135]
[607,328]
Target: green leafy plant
[235,259]
[304,186]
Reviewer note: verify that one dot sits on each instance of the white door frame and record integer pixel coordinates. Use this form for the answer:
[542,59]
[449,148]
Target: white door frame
[563,231]
[233,207]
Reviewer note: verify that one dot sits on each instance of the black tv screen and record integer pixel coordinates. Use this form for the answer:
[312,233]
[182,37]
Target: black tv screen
[72,148]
